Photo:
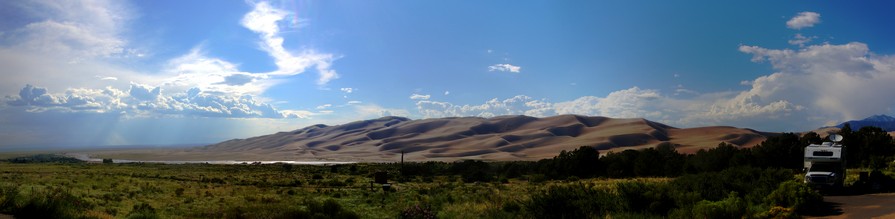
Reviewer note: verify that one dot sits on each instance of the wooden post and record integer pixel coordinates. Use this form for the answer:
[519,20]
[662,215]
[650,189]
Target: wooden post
[402,162]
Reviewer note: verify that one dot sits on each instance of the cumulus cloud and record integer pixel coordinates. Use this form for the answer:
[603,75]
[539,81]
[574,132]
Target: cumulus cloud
[144,92]
[367,111]
[63,44]
[842,81]
[143,100]
[347,90]
[79,53]
[706,109]
[419,97]
[518,105]
[809,88]
[505,68]
[803,20]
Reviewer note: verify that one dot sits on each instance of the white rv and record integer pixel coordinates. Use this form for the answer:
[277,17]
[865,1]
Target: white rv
[825,163]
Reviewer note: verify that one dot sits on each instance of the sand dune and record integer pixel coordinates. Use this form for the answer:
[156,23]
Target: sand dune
[447,139]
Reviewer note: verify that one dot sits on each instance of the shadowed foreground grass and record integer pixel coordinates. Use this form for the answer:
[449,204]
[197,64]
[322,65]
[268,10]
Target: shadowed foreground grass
[92,190]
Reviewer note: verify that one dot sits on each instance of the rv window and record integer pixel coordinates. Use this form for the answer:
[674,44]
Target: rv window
[825,167]
[823,153]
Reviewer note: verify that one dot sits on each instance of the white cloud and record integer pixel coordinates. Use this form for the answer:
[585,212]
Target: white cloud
[368,111]
[505,68]
[324,106]
[80,55]
[300,114]
[803,20]
[447,93]
[264,19]
[842,81]
[518,105]
[77,31]
[347,90]
[354,102]
[62,44]
[800,40]
[629,103]
[681,90]
[195,69]
[143,101]
[144,92]
[809,88]
[419,97]
[706,109]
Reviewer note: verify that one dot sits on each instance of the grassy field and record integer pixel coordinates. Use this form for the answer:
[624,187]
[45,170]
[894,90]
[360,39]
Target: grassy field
[214,191]
[99,190]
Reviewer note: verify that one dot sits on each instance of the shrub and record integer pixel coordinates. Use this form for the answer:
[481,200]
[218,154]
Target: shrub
[328,209]
[418,212]
[731,207]
[56,203]
[571,201]
[8,196]
[473,171]
[178,192]
[646,197]
[778,212]
[313,209]
[714,186]
[142,211]
[794,195]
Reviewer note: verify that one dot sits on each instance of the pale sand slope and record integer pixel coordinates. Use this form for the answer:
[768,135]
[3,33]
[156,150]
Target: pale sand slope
[448,139]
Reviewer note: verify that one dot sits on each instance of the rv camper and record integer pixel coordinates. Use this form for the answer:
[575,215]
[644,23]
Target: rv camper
[825,163]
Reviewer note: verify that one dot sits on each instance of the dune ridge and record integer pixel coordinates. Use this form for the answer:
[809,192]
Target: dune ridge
[448,139]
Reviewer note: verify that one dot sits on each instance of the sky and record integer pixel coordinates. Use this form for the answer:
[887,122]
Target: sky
[117,72]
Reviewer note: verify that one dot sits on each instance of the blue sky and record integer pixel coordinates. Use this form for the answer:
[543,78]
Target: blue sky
[173,72]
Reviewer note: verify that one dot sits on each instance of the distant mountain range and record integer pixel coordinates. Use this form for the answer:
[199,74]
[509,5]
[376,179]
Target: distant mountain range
[447,139]
[885,122]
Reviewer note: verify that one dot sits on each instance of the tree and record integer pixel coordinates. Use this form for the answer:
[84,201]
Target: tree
[673,161]
[870,144]
[662,160]
[715,159]
[620,165]
[810,138]
[783,151]
[582,162]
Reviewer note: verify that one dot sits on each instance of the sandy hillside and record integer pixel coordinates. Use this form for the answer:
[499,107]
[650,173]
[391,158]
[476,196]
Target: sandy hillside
[447,139]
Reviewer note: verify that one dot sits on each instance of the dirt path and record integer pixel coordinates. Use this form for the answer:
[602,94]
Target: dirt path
[859,206]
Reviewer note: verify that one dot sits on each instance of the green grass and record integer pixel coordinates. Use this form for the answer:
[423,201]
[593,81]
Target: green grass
[198,190]
[94,190]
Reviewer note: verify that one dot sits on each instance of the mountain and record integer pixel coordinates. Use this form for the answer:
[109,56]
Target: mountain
[447,139]
[885,122]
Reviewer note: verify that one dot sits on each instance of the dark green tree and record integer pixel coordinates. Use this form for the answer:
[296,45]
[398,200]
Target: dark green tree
[582,162]
[810,138]
[715,159]
[621,165]
[783,151]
